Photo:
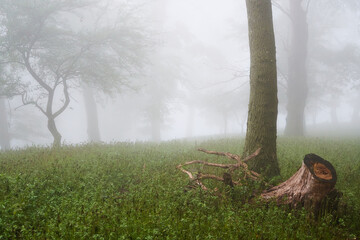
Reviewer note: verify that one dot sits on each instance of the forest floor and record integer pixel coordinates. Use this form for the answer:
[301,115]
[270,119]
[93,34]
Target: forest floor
[134,191]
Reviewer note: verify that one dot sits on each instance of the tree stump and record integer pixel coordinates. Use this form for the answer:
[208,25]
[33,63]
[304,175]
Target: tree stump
[307,187]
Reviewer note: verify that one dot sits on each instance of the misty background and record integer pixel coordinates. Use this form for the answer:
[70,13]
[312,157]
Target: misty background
[184,73]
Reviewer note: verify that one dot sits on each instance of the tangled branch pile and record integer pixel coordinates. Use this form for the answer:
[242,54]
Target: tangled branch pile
[196,178]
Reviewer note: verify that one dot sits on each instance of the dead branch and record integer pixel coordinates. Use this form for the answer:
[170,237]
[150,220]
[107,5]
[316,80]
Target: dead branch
[228,155]
[210,164]
[195,178]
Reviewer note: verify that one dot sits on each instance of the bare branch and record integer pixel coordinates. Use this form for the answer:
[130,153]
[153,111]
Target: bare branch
[228,155]
[278,6]
[210,164]
[34,74]
[185,171]
[227,176]
[252,155]
[307,7]
[27,102]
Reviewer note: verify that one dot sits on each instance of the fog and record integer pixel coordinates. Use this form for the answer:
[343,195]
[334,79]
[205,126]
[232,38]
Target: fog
[180,70]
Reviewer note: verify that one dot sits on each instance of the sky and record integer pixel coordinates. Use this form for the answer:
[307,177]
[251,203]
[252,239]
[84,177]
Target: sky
[203,48]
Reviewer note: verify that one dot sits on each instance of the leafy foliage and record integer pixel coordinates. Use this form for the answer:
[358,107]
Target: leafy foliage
[134,191]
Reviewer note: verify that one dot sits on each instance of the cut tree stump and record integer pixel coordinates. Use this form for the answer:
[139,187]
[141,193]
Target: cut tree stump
[315,179]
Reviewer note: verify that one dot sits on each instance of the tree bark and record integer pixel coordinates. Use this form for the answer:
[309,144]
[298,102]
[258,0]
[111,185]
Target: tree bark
[263,103]
[307,187]
[4,126]
[91,115]
[297,89]
[54,132]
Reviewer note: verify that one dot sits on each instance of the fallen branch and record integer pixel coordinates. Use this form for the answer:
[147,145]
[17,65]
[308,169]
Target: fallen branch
[195,178]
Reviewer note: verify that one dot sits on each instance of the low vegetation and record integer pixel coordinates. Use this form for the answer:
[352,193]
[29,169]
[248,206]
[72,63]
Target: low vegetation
[134,191]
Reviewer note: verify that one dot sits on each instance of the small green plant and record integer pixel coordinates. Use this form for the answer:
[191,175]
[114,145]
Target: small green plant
[134,191]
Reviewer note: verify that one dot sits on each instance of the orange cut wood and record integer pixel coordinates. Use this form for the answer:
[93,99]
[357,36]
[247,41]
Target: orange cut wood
[308,186]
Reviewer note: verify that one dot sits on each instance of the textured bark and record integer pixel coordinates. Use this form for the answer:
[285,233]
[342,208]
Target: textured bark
[91,115]
[263,103]
[297,89]
[307,187]
[4,127]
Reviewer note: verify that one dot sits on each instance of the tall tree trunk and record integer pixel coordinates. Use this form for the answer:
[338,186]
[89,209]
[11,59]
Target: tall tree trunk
[263,103]
[297,90]
[91,115]
[4,126]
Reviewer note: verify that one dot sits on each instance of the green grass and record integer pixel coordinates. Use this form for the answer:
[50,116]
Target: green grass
[134,191]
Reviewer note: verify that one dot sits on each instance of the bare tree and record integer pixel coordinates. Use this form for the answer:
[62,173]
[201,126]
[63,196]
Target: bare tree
[41,37]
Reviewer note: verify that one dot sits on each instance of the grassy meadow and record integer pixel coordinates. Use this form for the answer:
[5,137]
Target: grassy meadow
[134,191]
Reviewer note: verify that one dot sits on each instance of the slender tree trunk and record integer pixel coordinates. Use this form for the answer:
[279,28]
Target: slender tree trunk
[263,103]
[51,117]
[54,132]
[4,126]
[297,90]
[91,115]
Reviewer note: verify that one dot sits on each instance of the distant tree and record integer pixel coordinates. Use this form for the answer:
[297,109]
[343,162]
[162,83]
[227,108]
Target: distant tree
[47,39]
[297,89]
[9,86]
[296,73]
[161,87]
[334,64]
[262,114]
[4,128]
[93,130]
[338,73]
